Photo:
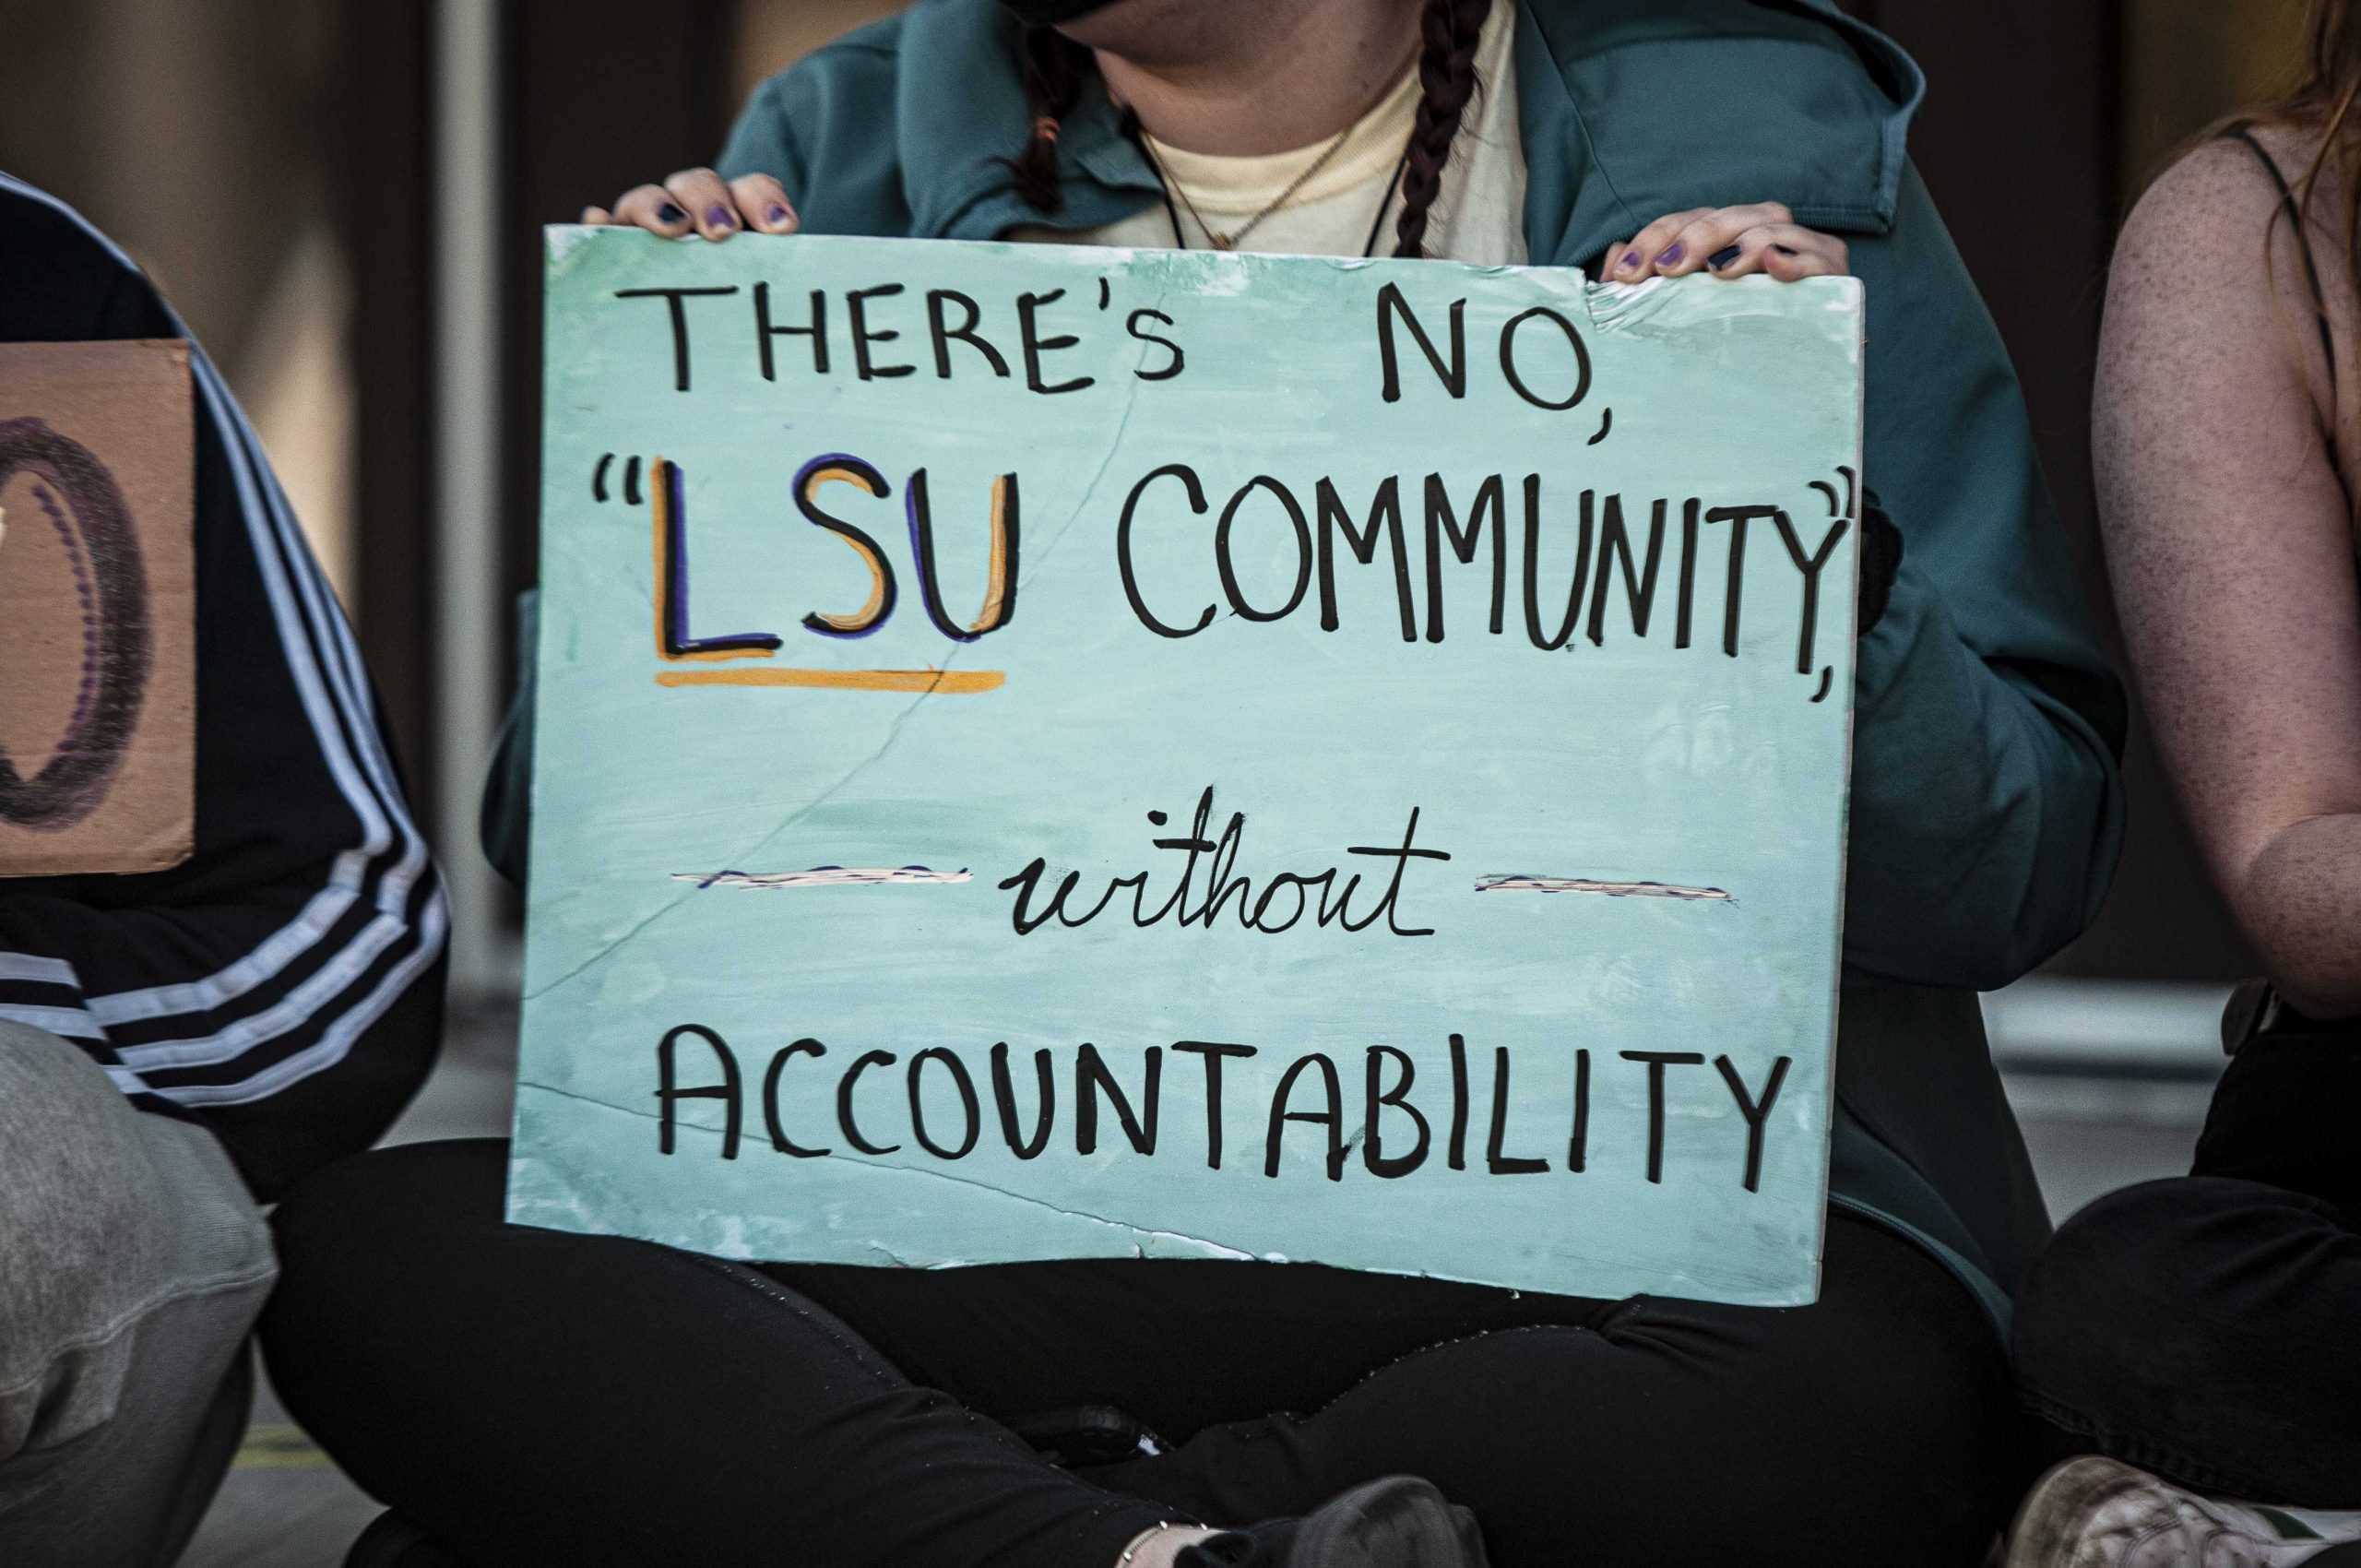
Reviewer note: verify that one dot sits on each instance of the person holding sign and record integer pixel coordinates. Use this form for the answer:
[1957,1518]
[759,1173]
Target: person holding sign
[674,1407]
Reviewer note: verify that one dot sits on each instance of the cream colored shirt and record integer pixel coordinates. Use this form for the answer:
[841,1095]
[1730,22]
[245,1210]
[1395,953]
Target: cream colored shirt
[1477,218]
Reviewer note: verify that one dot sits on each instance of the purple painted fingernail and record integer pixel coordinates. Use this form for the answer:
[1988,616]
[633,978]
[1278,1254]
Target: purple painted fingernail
[718,217]
[1672,256]
[779,214]
[668,213]
[1631,259]
[1722,257]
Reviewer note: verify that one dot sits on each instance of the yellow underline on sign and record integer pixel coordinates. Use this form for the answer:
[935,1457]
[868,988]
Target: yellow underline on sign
[950,682]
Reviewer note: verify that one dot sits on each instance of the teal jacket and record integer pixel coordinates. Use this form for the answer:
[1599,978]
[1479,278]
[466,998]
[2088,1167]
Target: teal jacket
[1986,814]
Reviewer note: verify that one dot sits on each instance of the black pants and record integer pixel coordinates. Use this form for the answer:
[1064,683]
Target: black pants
[2208,1328]
[531,1397]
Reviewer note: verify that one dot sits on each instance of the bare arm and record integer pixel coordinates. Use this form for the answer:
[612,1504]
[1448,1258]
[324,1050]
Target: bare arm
[2232,553]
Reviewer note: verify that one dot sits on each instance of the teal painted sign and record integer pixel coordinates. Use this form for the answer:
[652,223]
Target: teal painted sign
[1054,752]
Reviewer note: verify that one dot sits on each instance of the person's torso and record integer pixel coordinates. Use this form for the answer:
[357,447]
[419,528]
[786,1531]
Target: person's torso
[1606,117]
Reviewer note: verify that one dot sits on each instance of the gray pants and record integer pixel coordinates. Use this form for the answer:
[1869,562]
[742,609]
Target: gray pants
[132,1265]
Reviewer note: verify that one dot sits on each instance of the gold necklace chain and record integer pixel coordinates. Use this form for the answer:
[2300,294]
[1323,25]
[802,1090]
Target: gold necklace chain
[1222,241]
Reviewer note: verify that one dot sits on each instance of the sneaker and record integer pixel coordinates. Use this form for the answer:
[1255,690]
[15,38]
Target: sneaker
[2097,1512]
[1400,1522]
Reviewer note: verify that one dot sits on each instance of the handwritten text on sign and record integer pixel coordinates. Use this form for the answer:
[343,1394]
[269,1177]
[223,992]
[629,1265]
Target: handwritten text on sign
[1051,752]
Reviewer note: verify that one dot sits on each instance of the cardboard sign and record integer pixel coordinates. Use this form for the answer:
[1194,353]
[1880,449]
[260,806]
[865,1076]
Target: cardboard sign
[98,608]
[1053,751]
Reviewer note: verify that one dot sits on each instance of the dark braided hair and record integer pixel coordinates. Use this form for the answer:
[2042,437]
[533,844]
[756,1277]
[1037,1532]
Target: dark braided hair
[1446,81]
[1055,68]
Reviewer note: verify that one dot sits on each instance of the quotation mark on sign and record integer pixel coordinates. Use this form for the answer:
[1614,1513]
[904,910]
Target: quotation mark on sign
[1848,512]
[631,478]
[1852,497]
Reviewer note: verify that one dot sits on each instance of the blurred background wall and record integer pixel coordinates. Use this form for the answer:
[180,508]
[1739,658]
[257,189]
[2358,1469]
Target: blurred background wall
[343,199]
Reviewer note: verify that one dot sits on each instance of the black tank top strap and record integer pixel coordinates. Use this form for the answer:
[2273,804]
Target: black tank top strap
[2319,296]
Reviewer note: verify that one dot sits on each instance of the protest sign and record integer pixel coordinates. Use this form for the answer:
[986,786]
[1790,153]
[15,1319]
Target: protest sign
[98,608]
[1051,752]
